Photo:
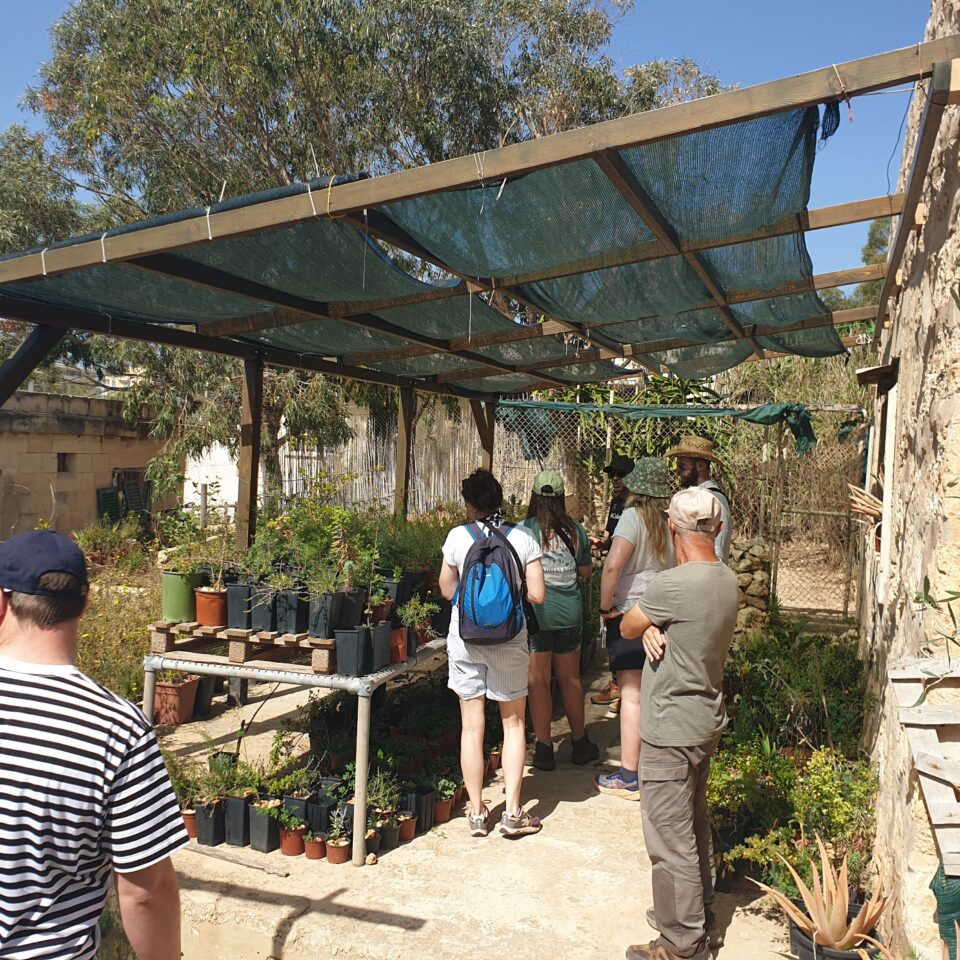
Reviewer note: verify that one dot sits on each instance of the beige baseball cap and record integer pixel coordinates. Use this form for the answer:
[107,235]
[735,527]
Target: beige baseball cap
[695,509]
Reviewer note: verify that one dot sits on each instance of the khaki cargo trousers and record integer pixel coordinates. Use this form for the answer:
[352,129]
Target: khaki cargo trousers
[676,831]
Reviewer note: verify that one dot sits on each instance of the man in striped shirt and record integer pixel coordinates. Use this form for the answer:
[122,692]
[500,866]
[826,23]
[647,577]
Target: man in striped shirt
[83,788]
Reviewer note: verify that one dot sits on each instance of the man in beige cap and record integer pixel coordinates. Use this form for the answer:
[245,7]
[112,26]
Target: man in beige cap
[686,618]
[695,456]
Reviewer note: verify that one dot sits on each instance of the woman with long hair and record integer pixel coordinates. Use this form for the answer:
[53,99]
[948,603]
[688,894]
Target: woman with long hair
[639,550]
[555,647]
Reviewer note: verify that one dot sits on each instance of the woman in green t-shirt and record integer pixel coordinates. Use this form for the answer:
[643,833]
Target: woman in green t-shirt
[555,647]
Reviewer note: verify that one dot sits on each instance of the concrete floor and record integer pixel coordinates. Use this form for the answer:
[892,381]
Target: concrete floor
[578,889]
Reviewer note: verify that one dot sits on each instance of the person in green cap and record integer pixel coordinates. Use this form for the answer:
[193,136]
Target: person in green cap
[555,647]
[639,549]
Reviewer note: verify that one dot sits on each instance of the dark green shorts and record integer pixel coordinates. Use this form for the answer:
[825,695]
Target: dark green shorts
[556,641]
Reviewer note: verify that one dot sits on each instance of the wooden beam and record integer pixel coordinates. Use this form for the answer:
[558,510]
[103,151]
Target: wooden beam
[943,90]
[621,176]
[485,417]
[352,308]
[65,318]
[15,369]
[405,411]
[808,89]
[251,422]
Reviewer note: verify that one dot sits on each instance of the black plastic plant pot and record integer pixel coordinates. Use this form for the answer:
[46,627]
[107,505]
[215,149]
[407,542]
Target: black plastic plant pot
[211,829]
[420,801]
[318,814]
[264,831]
[351,609]
[293,611]
[389,836]
[380,641]
[263,609]
[297,805]
[238,606]
[348,818]
[237,821]
[203,703]
[802,946]
[324,613]
[328,786]
[440,622]
[411,641]
[354,651]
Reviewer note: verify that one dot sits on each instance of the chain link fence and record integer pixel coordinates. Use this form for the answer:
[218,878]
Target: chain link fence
[796,504]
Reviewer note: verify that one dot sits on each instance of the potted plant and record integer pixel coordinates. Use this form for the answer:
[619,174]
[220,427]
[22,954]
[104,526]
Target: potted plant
[295,790]
[211,827]
[241,792]
[182,569]
[389,828]
[325,601]
[185,775]
[383,793]
[443,803]
[415,615]
[291,829]
[293,608]
[408,825]
[825,928]
[371,838]
[314,845]
[419,799]
[338,846]
[264,829]
[173,697]
[354,651]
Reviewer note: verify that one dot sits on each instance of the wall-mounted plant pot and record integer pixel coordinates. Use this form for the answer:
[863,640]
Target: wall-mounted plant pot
[264,831]
[408,825]
[173,700]
[380,639]
[291,842]
[293,611]
[237,821]
[211,831]
[190,823]
[442,810]
[420,801]
[238,606]
[389,835]
[338,851]
[440,622]
[398,644]
[318,814]
[324,613]
[315,848]
[354,652]
[178,600]
[203,702]
[351,609]
[263,609]
[211,607]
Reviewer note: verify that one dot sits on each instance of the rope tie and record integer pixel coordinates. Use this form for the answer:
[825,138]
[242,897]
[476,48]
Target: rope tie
[478,162]
[366,243]
[103,247]
[313,206]
[223,190]
[329,197]
[843,92]
[43,260]
[209,227]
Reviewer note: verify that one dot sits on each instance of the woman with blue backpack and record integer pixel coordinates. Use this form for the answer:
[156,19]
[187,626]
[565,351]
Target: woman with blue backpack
[491,573]
[555,647]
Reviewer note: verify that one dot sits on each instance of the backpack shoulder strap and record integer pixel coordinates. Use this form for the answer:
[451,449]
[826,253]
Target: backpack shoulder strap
[497,532]
[474,530]
[565,537]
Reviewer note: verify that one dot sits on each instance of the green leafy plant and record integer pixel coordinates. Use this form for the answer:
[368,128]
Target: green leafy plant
[186,776]
[444,787]
[416,611]
[338,826]
[286,819]
[383,791]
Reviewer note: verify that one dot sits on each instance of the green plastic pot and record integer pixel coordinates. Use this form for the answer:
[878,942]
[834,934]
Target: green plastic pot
[179,603]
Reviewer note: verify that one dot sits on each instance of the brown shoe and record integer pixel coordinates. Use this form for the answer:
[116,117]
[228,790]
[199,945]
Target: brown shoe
[609,694]
[657,950]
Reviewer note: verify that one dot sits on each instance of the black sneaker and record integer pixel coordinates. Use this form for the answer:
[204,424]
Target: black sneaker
[584,751]
[543,756]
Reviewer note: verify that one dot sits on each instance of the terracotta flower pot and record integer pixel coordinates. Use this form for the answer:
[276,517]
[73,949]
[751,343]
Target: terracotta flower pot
[211,608]
[408,825]
[338,851]
[314,849]
[291,842]
[494,760]
[398,645]
[442,810]
[190,822]
[458,796]
[173,701]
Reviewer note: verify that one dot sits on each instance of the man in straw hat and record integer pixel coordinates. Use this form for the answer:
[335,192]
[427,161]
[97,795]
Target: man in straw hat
[695,457]
[686,618]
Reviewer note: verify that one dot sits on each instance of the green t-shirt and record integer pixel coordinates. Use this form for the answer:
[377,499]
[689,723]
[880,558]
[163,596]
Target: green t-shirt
[681,697]
[563,607]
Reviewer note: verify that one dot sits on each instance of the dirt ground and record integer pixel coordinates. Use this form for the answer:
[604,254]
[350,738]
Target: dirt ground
[580,888]
[811,577]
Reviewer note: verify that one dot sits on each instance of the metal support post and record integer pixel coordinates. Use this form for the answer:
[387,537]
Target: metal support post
[149,689]
[361,772]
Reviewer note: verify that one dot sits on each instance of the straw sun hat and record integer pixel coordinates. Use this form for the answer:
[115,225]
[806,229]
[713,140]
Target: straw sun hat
[698,448]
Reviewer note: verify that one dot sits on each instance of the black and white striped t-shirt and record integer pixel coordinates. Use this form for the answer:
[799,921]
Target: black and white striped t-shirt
[83,790]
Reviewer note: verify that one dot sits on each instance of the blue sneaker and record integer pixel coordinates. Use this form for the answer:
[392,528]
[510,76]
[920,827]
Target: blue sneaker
[615,786]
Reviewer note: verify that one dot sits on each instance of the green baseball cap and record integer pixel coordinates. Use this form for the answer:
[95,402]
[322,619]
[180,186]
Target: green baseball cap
[649,478]
[548,483]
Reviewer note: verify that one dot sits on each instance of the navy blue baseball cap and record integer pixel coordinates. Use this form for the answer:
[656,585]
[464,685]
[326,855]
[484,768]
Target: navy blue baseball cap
[25,558]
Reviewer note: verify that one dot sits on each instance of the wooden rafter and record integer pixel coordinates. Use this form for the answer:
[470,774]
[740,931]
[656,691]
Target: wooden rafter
[829,83]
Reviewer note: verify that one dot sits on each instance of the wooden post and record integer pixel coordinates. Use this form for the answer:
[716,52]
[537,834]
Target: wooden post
[485,415]
[250,423]
[401,494]
[203,506]
[40,341]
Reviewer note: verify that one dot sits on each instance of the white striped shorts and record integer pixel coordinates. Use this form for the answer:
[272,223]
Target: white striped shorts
[497,671]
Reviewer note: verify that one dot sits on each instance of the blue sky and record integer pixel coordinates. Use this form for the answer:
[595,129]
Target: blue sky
[742,41]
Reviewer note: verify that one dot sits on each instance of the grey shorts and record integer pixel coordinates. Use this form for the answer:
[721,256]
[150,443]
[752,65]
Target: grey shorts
[497,671]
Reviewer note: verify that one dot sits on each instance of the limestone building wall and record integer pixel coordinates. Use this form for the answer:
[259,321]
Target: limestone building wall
[915,462]
[54,453]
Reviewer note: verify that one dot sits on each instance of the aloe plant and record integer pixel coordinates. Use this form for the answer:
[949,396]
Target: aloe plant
[827,901]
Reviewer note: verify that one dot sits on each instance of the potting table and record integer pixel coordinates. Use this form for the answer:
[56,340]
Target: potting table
[362,687]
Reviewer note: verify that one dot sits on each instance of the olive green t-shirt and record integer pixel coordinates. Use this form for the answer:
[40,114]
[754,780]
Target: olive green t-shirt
[681,698]
[563,607]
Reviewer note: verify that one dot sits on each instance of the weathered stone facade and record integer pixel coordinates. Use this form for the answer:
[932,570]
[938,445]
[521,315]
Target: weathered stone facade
[54,453]
[915,462]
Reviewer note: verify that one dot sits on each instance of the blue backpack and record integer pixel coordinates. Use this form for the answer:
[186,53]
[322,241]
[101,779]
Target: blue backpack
[492,588]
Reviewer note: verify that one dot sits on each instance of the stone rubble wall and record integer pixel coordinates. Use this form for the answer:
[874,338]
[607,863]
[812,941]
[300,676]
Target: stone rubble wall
[750,561]
[921,529]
